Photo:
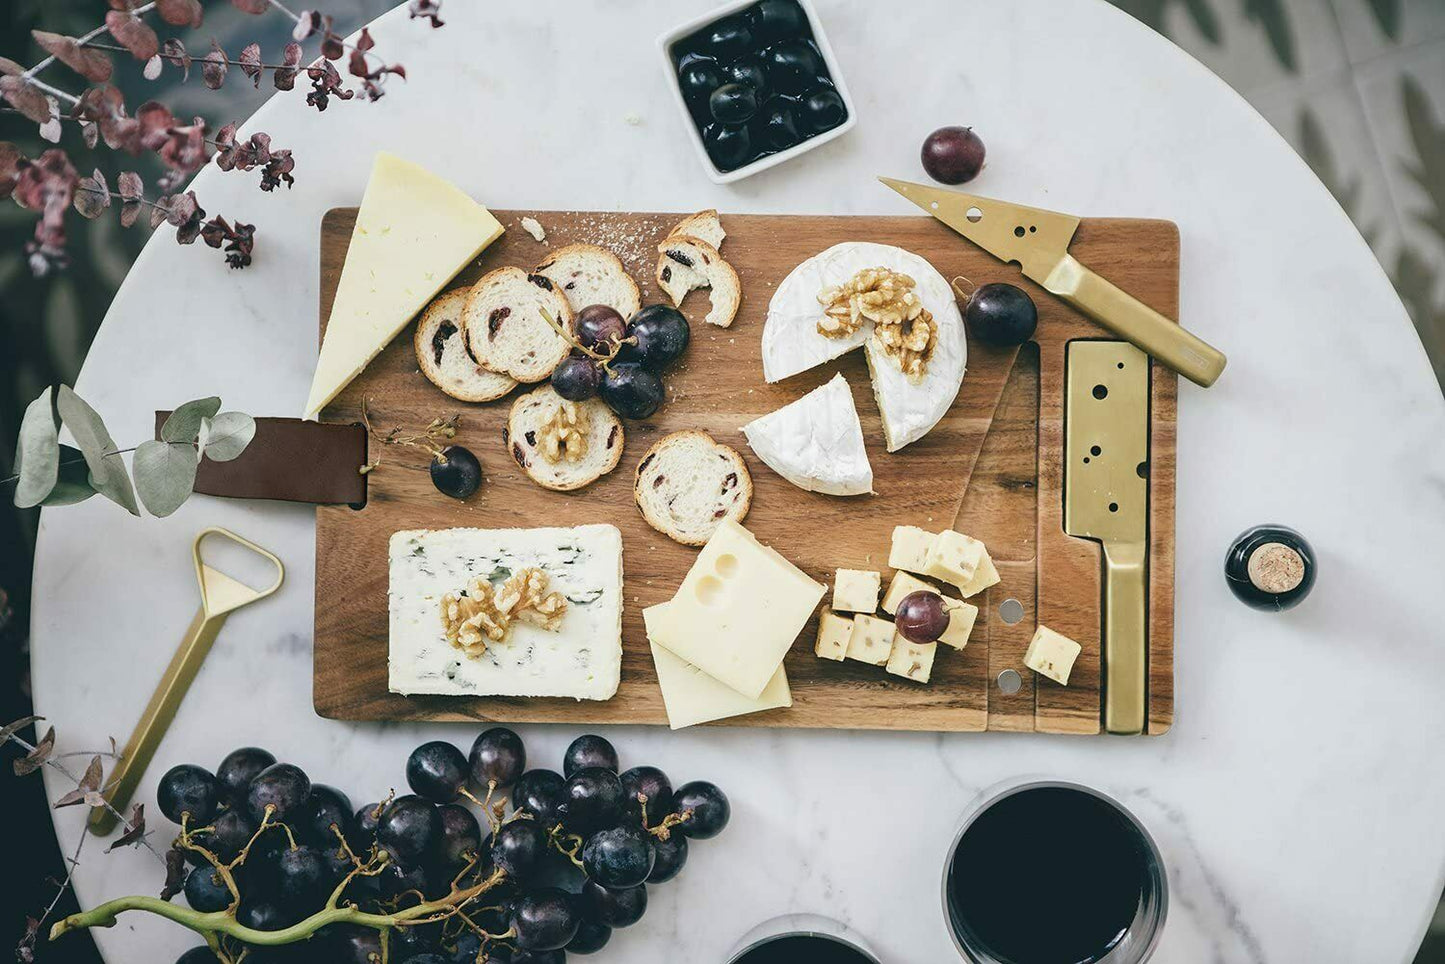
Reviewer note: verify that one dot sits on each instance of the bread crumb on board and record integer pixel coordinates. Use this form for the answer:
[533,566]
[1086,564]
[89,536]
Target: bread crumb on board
[534,228]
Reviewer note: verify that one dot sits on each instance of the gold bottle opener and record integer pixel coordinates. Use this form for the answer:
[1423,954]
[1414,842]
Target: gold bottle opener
[220,595]
[1106,497]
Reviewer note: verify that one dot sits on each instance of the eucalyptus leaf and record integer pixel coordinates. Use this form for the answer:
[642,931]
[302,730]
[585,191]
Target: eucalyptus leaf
[108,474]
[165,474]
[227,435]
[73,485]
[184,424]
[37,453]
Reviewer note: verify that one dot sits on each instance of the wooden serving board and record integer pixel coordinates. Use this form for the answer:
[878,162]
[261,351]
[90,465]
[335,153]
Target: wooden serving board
[991,468]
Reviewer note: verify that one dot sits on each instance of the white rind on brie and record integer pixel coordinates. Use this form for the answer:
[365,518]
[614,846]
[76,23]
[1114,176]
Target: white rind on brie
[582,659]
[816,443]
[791,342]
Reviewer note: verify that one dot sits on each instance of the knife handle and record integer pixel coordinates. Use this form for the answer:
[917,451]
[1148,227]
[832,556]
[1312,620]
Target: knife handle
[1129,318]
[1126,656]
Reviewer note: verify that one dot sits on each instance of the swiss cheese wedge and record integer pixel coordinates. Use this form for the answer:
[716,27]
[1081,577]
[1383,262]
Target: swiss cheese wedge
[414,232]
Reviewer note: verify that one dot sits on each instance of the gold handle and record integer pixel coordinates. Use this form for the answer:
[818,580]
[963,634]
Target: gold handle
[1126,656]
[1129,318]
[156,719]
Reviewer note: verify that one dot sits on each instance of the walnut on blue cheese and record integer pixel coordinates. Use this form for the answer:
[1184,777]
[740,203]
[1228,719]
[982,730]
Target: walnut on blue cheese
[871,639]
[581,657]
[903,584]
[910,547]
[911,660]
[856,590]
[1052,654]
[953,557]
[834,633]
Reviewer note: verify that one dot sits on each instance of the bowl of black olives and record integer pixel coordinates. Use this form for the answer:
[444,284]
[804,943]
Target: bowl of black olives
[757,83]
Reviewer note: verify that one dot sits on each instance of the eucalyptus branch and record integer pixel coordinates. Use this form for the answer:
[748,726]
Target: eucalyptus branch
[84,40]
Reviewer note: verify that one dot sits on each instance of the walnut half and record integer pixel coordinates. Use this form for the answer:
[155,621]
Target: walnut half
[904,327]
[564,435]
[480,614]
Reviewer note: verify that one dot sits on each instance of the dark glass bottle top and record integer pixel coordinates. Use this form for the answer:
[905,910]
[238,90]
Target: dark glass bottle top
[1270,567]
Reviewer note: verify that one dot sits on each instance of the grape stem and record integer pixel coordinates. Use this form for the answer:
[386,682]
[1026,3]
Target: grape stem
[604,360]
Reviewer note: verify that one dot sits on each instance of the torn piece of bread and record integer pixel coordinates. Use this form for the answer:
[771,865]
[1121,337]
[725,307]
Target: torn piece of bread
[685,263]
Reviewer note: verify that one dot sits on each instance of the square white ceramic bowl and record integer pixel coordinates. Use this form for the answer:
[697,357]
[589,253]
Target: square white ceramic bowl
[664,45]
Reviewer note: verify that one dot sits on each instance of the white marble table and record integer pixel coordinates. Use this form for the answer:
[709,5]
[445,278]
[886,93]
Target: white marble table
[1297,800]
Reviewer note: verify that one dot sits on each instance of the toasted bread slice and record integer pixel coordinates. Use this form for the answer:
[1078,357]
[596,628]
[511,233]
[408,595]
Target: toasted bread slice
[687,484]
[441,351]
[704,225]
[525,438]
[589,275]
[505,329]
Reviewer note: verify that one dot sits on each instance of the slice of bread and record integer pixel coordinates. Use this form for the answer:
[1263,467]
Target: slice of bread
[441,351]
[589,275]
[504,325]
[523,437]
[685,263]
[687,484]
[704,225]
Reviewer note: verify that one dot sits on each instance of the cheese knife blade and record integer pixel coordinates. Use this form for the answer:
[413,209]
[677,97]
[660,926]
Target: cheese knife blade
[1038,242]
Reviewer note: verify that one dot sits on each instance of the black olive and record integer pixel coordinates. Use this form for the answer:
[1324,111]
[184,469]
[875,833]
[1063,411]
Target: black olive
[729,147]
[750,72]
[794,66]
[699,78]
[779,125]
[733,103]
[823,110]
[778,20]
[729,38]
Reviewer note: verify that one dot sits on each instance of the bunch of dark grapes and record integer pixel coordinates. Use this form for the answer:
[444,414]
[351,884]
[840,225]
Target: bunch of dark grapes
[567,855]
[622,361]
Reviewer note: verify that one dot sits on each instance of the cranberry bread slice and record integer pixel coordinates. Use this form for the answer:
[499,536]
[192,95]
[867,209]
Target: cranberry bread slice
[504,325]
[685,263]
[589,275]
[441,351]
[687,484]
[704,225]
[554,459]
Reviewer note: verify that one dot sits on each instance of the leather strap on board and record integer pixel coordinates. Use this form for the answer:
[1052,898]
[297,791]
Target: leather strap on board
[291,460]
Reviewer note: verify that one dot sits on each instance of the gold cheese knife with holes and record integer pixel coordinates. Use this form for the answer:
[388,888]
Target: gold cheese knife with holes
[1106,497]
[1038,241]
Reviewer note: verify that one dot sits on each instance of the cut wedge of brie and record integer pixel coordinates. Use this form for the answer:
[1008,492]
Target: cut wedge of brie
[792,343]
[816,443]
[414,232]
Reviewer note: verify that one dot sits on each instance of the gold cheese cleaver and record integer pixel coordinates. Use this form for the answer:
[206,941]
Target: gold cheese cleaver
[1106,497]
[1038,241]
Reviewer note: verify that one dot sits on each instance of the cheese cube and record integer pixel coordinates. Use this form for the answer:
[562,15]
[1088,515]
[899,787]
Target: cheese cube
[902,585]
[1052,654]
[690,696]
[911,660]
[910,547]
[738,610]
[856,590]
[871,640]
[953,557]
[984,575]
[834,632]
[961,617]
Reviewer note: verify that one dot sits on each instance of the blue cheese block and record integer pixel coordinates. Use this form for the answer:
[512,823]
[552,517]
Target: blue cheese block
[582,659]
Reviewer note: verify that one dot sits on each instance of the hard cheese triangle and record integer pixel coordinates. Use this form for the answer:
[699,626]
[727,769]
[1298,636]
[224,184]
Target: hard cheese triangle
[414,232]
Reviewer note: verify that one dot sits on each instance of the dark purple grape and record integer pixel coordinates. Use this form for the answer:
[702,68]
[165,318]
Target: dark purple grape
[619,857]
[589,750]
[436,771]
[396,880]
[823,110]
[699,78]
[363,827]
[203,955]
[426,957]
[456,472]
[651,783]
[281,788]
[230,831]
[794,66]
[729,147]
[539,792]
[240,767]
[353,944]
[775,20]
[668,856]
[410,830]
[302,879]
[709,808]
[206,891]
[729,38]
[517,847]
[780,124]
[921,616]
[576,378]
[733,104]
[1001,314]
[262,915]
[414,944]
[661,335]
[497,758]
[557,956]
[631,391]
[544,919]
[466,949]
[953,155]
[600,328]
[590,938]
[615,908]
[188,790]
[750,73]
[592,800]
[326,809]
[461,834]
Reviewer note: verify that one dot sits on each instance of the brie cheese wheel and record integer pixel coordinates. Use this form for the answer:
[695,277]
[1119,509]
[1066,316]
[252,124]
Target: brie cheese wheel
[581,659]
[792,343]
[816,443]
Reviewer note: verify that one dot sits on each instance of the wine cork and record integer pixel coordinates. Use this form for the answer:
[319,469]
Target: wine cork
[1276,568]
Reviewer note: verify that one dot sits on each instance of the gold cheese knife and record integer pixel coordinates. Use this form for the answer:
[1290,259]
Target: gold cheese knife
[1106,497]
[1038,241]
